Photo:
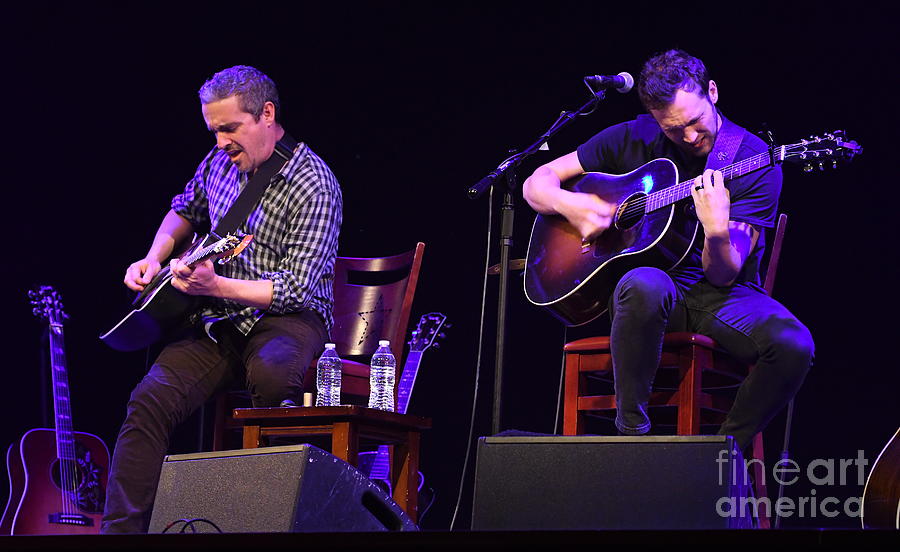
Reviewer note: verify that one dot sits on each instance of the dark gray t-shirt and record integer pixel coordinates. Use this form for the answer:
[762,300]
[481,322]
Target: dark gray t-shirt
[754,197]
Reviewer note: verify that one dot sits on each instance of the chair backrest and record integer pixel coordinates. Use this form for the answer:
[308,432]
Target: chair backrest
[775,254]
[372,301]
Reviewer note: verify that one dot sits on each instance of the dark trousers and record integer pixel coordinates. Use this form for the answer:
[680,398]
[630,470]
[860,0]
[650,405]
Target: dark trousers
[746,322]
[272,359]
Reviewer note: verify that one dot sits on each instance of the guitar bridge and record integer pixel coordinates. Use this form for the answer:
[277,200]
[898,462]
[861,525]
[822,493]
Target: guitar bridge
[70,519]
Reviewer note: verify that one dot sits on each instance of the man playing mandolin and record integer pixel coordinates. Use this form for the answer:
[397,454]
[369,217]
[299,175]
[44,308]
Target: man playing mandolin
[714,290]
[266,313]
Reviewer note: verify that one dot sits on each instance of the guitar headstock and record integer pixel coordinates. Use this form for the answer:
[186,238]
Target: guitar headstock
[814,151]
[231,246]
[47,305]
[428,331]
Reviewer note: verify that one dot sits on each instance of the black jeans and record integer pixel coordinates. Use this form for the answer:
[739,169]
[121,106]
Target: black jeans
[272,359]
[746,322]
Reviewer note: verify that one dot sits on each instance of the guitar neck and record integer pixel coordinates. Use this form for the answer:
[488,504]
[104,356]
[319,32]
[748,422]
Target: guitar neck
[200,255]
[668,196]
[65,437]
[407,380]
[381,463]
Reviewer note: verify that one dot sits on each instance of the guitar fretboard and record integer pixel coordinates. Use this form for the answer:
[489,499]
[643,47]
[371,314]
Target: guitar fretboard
[668,196]
[381,464]
[65,437]
[201,254]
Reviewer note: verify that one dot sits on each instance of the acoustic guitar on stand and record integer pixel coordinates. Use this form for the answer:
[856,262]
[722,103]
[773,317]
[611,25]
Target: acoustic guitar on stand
[377,465]
[574,279]
[57,477]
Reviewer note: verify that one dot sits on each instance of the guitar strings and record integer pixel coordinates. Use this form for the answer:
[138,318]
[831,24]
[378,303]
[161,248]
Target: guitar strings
[64,436]
[667,196]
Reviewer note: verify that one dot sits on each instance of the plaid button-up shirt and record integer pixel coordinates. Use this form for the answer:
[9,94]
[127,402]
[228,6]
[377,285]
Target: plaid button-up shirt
[295,230]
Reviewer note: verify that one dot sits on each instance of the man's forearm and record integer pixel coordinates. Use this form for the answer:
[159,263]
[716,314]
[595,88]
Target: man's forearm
[721,261]
[252,293]
[725,250]
[173,230]
[541,190]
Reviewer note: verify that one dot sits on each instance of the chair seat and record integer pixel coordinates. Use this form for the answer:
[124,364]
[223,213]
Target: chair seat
[723,372]
[674,339]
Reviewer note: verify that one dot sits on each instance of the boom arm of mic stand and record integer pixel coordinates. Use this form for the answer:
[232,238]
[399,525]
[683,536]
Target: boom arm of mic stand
[475,191]
[507,171]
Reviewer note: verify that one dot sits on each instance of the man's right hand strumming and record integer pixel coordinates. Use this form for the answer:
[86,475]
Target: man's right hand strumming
[173,230]
[589,214]
[140,273]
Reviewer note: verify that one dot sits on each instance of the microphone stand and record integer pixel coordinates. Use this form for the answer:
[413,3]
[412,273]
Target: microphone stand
[505,176]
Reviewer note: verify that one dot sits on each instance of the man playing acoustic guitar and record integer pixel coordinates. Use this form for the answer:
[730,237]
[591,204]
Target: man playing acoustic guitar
[714,290]
[267,312]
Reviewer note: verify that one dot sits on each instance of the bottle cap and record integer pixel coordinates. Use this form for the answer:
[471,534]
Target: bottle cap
[384,343]
[329,345]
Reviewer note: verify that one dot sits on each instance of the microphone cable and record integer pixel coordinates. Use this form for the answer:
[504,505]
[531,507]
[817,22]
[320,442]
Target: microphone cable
[487,261]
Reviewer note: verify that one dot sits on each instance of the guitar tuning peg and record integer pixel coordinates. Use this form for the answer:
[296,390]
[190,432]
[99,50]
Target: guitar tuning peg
[436,345]
[807,168]
[821,165]
[834,163]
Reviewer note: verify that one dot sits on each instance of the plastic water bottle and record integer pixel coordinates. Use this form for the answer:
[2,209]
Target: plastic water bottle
[328,378]
[382,374]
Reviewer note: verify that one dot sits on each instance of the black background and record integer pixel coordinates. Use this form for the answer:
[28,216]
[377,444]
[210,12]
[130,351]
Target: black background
[410,104]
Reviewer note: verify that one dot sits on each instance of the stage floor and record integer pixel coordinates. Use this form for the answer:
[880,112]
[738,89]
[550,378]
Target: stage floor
[457,540]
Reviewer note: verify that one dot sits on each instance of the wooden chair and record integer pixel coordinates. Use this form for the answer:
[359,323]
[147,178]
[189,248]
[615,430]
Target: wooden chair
[372,301]
[692,368]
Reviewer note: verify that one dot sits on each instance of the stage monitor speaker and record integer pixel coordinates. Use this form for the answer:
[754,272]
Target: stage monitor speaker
[269,490]
[588,483]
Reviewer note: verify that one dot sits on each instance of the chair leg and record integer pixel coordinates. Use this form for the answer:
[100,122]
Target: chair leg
[693,360]
[573,423]
[251,436]
[345,442]
[218,441]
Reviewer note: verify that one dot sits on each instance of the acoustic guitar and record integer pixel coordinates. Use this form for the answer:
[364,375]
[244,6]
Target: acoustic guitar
[574,279]
[376,465]
[160,307]
[881,496]
[57,477]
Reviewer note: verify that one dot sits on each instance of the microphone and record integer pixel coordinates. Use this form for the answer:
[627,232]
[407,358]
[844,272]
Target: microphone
[623,82]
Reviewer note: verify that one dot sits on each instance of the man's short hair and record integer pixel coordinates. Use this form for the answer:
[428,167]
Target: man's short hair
[666,73]
[252,87]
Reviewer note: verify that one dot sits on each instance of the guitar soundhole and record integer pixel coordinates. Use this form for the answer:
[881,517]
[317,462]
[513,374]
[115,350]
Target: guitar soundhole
[631,211]
[80,480]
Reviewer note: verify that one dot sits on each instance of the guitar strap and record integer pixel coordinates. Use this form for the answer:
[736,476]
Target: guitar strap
[727,143]
[256,186]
